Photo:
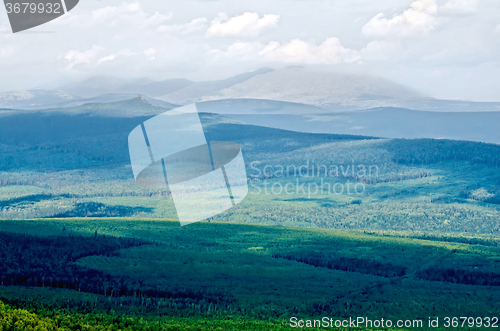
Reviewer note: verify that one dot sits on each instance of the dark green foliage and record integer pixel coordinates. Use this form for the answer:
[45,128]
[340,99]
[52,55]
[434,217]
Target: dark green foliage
[457,276]
[29,199]
[50,262]
[429,151]
[216,269]
[95,209]
[251,271]
[442,237]
[48,319]
[56,141]
[350,264]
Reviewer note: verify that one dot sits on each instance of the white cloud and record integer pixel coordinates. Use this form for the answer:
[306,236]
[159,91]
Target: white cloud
[155,20]
[330,51]
[75,57]
[497,29]
[197,24]
[128,15]
[420,18]
[150,53]
[459,7]
[248,24]
[241,50]
[110,57]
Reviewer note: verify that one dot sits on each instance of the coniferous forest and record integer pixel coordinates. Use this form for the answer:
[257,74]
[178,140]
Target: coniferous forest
[413,233]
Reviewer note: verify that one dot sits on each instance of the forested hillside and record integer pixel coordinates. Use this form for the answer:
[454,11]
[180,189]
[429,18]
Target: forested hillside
[88,270]
[74,162]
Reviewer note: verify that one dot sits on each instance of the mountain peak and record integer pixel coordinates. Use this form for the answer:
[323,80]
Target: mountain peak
[141,98]
[319,88]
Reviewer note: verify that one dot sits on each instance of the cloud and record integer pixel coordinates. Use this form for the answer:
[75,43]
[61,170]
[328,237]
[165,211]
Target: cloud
[239,50]
[110,57]
[129,15]
[155,20]
[497,29]
[248,24]
[330,51]
[75,57]
[150,53]
[420,18]
[459,7]
[197,24]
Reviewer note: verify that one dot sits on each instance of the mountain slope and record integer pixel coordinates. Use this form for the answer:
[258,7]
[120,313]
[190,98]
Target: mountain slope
[99,85]
[388,122]
[133,107]
[156,89]
[318,88]
[196,91]
[109,98]
[339,92]
[34,98]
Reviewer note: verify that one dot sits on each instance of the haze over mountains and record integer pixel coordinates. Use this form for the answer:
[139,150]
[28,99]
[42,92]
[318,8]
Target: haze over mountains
[335,91]
[321,89]
[327,90]
[33,99]
[294,98]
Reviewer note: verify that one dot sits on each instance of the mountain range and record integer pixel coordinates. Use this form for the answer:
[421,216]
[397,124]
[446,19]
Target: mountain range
[293,98]
[325,91]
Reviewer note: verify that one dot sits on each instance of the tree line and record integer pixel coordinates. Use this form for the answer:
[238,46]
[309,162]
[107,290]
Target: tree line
[27,260]
[460,276]
[350,264]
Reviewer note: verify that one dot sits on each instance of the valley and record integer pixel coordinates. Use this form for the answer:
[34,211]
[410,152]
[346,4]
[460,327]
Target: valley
[336,225]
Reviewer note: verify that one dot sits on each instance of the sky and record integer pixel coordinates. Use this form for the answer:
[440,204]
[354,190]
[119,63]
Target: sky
[448,49]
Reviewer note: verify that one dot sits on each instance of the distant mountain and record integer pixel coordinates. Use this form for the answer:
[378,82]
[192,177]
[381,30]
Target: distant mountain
[387,123]
[453,105]
[318,88]
[258,107]
[335,92]
[157,89]
[113,97]
[50,99]
[135,107]
[95,86]
[292,91]
[33,98]
[197,91]
[170,90]
[384,122]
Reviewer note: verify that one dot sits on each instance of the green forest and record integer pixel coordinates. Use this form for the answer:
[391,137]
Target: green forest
[82,247]
[76,270]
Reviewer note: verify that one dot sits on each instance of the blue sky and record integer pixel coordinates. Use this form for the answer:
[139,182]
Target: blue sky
[447,49]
